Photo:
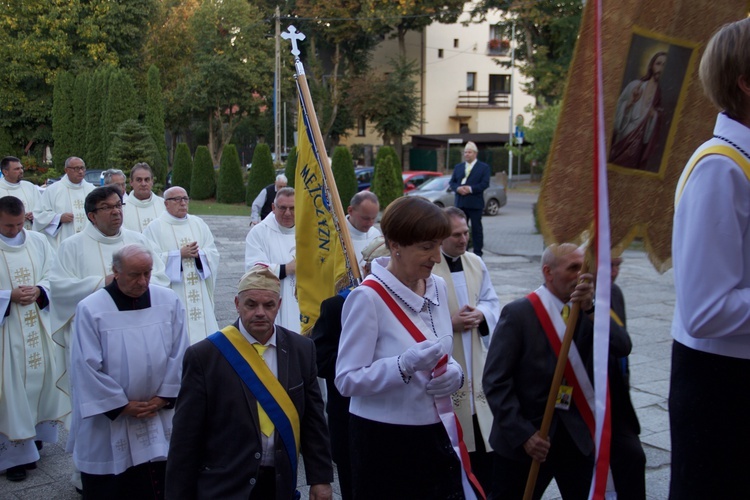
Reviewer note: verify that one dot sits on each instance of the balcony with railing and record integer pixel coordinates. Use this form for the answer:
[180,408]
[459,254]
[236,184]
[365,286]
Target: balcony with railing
[498,47]
[482,99]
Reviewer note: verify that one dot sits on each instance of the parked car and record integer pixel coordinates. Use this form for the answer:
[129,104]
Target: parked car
[94,176]
[413,179]
[438,191]
[364,177]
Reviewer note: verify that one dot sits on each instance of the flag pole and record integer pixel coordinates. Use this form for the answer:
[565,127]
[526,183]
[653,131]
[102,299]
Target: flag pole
[335,201]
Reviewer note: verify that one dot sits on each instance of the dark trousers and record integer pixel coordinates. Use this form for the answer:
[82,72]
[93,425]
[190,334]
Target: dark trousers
[481,459]
[571,469]
[708,412]
[403,462]
[628,464]
[144,481]
[477,233]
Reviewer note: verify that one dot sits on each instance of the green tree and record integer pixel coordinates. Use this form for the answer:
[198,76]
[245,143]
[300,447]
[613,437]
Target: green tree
[343,172]
[83,80]
[390,101]
[95,105]
[230,188]
[231,71]
[387,183]
[120,106]
[290,171]
[546,32]
[203,181]
[539,135]
[63,117]
[261,174]
[182,167]
[131,144]
[155,122]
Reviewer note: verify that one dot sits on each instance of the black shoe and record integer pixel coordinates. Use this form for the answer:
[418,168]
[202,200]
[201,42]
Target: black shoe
[30,466]
[39,445]
[15,474]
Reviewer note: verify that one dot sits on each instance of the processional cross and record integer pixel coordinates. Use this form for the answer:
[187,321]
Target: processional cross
[293,35]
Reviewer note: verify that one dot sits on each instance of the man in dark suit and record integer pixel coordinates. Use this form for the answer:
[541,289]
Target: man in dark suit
[469,180]
[229,439]
[517,378]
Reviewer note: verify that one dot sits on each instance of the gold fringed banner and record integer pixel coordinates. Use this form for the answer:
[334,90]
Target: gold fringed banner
[655,116]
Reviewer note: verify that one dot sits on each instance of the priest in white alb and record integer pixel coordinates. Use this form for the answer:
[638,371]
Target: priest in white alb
[61,212]
[186,246]
[141,205]
[272,242]
[363,213]
[126,359]
[84,261]
[31,404]
[12,184]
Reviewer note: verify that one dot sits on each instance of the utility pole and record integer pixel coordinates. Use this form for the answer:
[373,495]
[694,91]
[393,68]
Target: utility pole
[277,91]
[512,93]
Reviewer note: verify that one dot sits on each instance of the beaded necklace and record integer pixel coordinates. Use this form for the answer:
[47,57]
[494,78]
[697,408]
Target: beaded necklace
[426,301]
[735,146]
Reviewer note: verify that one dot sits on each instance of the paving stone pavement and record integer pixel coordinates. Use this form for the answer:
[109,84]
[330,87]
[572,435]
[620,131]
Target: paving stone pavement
[512,254]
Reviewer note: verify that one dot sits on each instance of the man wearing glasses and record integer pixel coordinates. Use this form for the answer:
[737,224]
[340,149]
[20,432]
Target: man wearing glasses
[186,246]
[271,242]
[61,212]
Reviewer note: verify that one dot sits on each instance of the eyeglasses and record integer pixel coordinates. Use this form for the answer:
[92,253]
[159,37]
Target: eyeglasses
[178,199]
[76,169]
[109,208]
[285,209]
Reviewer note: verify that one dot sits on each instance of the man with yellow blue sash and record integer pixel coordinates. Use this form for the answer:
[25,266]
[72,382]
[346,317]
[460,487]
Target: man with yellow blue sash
[249,405]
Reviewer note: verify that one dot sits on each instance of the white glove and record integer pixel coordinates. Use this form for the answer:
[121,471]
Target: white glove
[447,383]
[420,357]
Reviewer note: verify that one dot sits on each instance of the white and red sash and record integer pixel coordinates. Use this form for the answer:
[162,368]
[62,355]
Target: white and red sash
[444,405]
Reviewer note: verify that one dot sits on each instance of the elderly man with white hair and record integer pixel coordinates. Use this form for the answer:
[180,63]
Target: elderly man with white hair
[469,180]
[186,246]
[262,203]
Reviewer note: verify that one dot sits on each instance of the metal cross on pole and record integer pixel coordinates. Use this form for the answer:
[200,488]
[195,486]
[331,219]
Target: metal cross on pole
[293,35]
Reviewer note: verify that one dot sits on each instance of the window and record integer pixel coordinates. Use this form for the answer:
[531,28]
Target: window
[496,31]
[455,43]
[500,84]
[471,81]
[361,126]
[440,53]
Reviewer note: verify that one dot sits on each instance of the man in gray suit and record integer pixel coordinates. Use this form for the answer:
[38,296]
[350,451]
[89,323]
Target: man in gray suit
[517,378]
[248,405]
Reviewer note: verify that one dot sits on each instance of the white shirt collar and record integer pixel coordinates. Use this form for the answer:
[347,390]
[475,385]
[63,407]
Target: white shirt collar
[412,300]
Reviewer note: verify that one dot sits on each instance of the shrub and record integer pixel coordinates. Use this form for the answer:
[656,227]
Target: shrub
[131,144]
[203,181]
[387,183]
[155,122]
[343,173]
[291,167]
[182,168]
[62,117]
[261,174]
[230,188]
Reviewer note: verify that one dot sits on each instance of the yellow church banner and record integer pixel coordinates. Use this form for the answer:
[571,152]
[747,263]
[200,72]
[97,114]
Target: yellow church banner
[655,116]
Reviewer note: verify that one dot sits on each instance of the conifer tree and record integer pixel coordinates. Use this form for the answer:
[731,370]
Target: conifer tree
[95,104]
[261,174]
[343,172]
[62,118]
[290,170]
[387,183]
[155,122]
[203,181]
[182,168]
[230,188]
[121,105]
[131,144]
[83,80]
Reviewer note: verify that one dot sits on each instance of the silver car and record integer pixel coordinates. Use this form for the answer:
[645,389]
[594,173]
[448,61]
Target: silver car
[438,191]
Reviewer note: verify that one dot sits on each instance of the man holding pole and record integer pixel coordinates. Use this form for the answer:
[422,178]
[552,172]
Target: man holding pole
[517,378]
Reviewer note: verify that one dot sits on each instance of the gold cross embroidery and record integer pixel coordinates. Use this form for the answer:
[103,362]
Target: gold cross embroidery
[195,314]
[193,296]
[30,318]
[192,278]
[22,276]
[78,204]
[35,361]
[33,340]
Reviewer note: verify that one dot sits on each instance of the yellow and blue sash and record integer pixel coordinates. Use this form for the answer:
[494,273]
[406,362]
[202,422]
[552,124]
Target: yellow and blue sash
[266,388]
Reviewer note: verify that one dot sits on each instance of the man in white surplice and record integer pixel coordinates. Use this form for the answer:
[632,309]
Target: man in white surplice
[126,365]
[186,246]
[84,261]
[363,212]
[475,310]
[141,205]
[30,402]
[12,185]
[61,212]
[271,242]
